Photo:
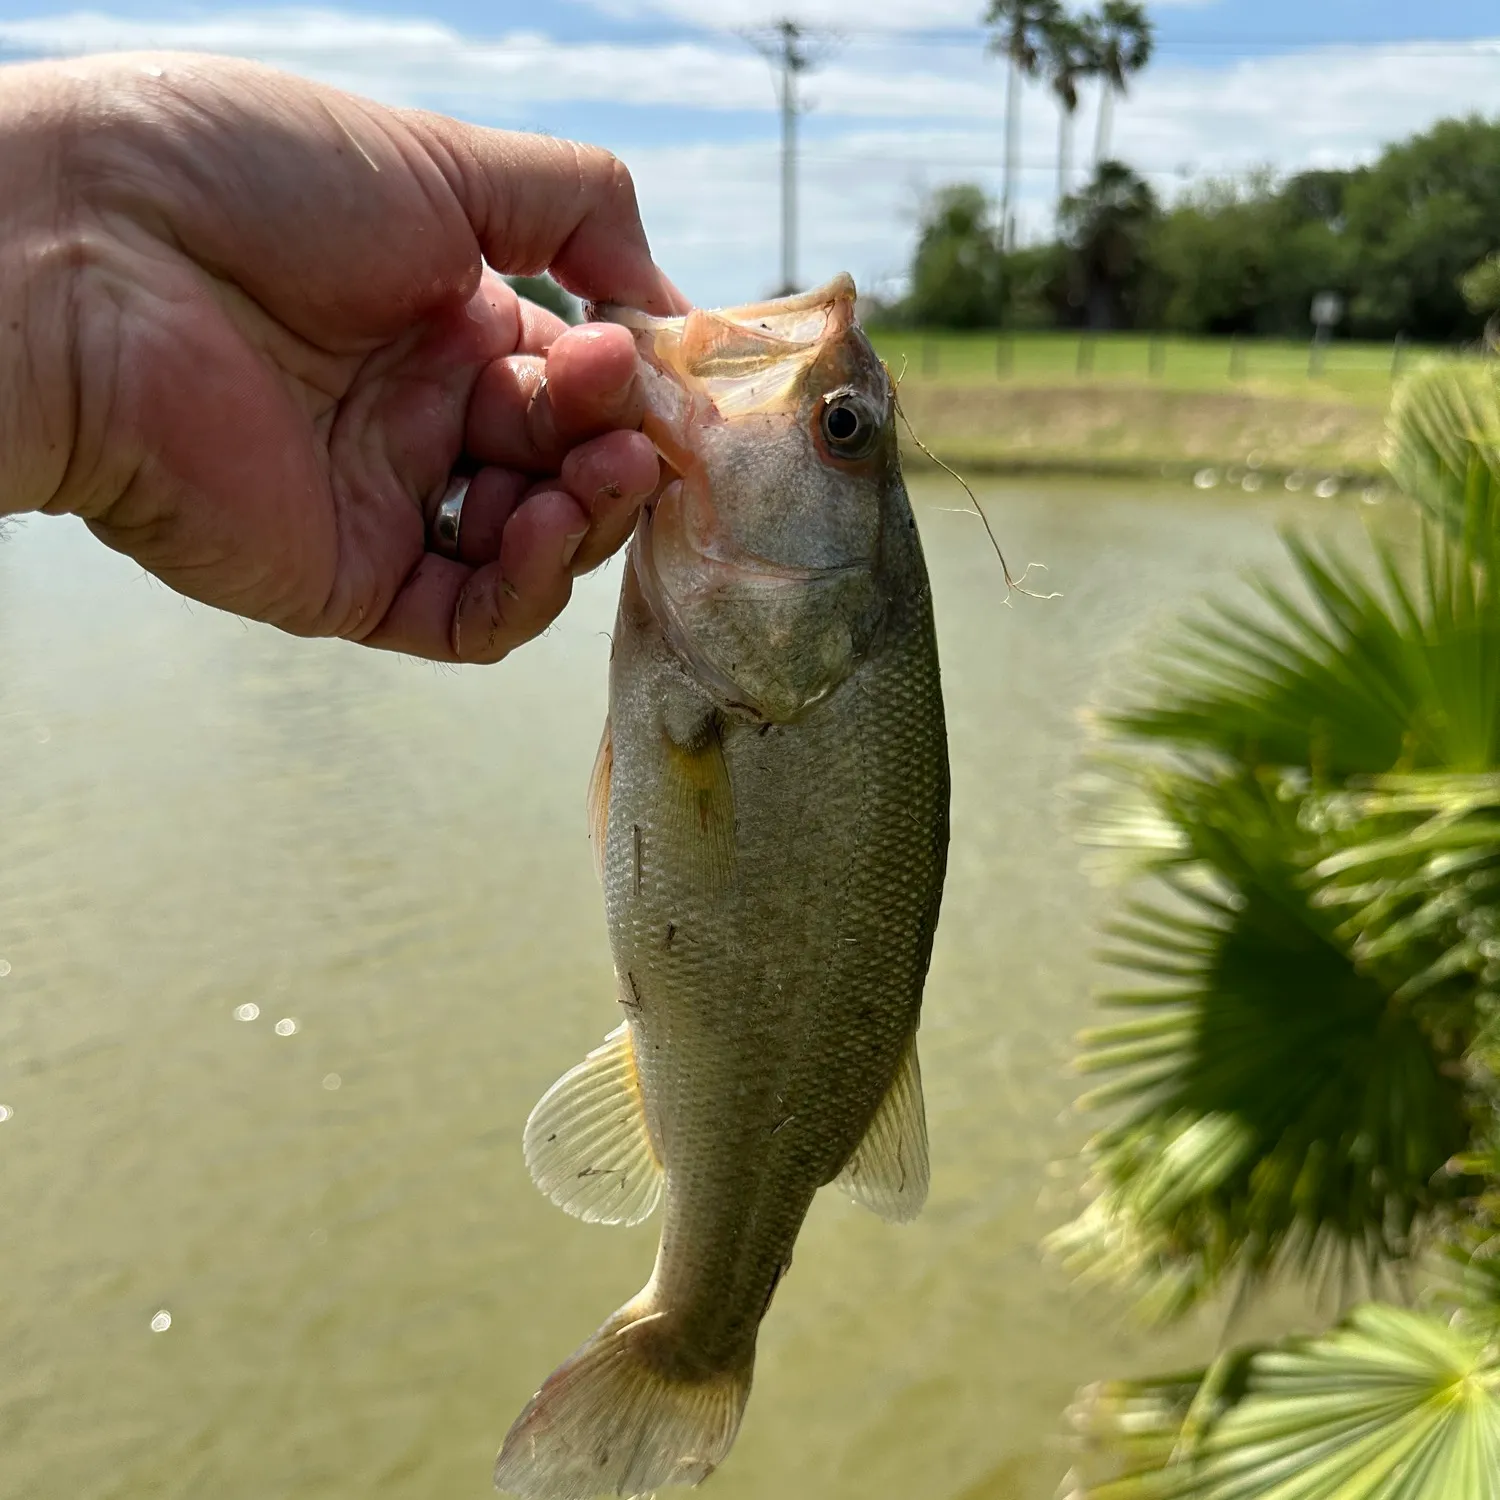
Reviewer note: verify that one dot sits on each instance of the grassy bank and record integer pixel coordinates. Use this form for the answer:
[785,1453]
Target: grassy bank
[1131,403]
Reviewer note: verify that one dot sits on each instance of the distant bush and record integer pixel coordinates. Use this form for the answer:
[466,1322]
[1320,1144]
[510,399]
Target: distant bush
[955,277]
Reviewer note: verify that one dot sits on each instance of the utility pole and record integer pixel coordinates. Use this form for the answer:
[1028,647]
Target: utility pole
[785,48]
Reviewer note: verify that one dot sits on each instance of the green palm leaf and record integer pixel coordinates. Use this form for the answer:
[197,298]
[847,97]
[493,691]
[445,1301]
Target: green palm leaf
[1362,678]
[1443,449]
[1282,1109]
[1313,1001]
[1390,1405]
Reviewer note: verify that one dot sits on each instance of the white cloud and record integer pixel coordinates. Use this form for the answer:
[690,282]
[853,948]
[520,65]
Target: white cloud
[883,132]
[411,61]
[417,61]
[838,17]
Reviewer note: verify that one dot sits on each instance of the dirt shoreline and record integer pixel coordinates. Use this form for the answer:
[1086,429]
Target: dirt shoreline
[1127,431]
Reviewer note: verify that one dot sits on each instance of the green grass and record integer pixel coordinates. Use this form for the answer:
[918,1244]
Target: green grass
[1358,373]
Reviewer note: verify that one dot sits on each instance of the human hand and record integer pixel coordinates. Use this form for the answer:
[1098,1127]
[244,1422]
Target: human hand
[277,343]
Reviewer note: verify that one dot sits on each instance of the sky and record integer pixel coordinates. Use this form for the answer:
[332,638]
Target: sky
[902,100]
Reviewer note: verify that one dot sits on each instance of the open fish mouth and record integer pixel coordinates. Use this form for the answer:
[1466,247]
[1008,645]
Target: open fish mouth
[746,359]
[720,385]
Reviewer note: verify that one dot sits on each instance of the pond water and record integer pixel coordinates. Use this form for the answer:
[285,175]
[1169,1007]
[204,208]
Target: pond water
[293,935]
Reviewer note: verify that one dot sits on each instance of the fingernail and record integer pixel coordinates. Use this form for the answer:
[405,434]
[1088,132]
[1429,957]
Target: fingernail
[616,401]
[571,544]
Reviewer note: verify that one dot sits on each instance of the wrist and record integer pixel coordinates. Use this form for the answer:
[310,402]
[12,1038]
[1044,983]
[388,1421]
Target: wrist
[37,375]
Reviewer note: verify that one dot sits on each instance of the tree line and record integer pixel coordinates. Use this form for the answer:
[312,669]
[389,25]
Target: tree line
[1408,243]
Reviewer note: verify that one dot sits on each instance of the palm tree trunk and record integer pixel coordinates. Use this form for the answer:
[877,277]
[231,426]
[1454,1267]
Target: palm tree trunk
[1012,135]
[1106,113]
[1064,154]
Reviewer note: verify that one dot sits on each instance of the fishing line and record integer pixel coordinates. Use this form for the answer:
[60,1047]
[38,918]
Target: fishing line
[1012,585]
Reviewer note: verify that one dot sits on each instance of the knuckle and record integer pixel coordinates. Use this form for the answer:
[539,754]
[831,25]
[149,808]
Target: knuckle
[604,175]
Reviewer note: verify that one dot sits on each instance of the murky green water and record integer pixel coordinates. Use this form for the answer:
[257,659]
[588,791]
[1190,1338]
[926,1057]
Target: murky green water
[198,817]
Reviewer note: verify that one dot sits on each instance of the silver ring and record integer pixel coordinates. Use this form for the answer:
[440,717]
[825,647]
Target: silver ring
[450,511]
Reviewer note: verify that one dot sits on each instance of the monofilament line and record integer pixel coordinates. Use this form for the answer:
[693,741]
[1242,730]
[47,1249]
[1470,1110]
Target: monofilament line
[1012,585]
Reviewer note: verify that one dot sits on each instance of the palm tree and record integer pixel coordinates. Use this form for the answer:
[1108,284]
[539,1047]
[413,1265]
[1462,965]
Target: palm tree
[1121,45]
[1068,55]
[1018,32]
[1309,1049]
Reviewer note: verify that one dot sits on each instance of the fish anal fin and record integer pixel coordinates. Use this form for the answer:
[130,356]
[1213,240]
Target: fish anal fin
[598,803]
[699,813]
[888,1172]
[616,1420]
[588,1143]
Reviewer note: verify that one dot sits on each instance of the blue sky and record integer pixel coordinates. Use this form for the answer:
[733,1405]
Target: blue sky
[903,100]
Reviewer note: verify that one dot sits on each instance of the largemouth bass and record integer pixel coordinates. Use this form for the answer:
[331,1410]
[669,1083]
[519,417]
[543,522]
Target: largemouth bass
[770,810]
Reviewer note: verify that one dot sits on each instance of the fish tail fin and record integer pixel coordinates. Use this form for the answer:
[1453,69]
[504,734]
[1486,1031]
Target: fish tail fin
[622,1417]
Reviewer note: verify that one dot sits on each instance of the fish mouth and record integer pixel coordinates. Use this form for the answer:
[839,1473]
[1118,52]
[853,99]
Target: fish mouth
[746,360]
[704,370]
[798,319]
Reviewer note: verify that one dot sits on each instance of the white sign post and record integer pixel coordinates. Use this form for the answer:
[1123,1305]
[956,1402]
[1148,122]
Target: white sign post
[1327,309]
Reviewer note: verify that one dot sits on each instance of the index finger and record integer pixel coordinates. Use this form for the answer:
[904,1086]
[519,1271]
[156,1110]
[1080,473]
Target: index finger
[542,204]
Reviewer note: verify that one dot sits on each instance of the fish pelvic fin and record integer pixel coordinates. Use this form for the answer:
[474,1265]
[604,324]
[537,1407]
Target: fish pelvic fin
[587,1142]
[888,1172]
[621,1418]
[598,803]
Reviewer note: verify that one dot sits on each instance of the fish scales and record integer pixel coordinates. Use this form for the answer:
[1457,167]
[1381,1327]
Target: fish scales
[773,810]
[794,994]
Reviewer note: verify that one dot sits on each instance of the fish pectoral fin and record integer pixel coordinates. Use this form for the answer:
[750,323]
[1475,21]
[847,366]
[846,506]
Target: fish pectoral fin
[587,1142]
[888,1172]
[598,804]
[699,814]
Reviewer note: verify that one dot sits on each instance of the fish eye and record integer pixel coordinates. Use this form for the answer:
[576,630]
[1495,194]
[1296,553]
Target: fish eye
[849,426]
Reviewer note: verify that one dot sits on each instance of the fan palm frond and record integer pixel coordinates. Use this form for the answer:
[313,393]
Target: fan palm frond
[1365,675]
[1414,863]
[1314,1012]
[1443,449]
[1281,1108]
[1468,1284]
[1389,1405]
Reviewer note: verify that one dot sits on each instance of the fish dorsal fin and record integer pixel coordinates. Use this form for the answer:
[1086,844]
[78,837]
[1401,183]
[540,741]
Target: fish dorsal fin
[598,804]
[699,813]
[588,1144]
[888,1171]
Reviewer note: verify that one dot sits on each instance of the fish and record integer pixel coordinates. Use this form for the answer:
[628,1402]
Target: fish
[769,814]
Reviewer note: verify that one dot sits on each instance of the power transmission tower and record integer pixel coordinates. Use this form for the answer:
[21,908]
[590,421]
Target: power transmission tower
[786,49]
